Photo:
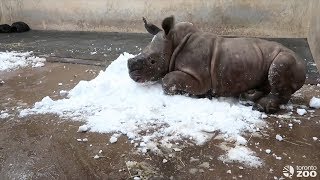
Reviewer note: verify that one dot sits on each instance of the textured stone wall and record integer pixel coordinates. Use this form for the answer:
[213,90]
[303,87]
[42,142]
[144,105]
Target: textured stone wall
[267,18]
[314,33]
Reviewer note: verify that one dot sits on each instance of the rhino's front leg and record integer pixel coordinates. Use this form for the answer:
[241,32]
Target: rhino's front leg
[178,82]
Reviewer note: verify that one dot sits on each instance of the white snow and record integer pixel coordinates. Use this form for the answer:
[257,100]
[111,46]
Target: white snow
[268,151]
[83,128]
[13,60]
[301,112]
[279,138]
[314,138]
[113,140]
[243,155]
[4,115]
[278,157]
[314,103]
[63,93]
[112,102]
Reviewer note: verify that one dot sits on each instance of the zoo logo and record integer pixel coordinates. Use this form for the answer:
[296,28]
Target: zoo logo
[306,171]
[301,171]
[288,171]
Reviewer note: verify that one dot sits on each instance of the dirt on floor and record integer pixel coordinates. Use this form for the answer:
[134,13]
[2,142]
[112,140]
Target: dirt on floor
[48,147]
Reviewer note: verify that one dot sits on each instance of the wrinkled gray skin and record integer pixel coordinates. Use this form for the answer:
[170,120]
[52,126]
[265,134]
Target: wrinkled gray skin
[198,63]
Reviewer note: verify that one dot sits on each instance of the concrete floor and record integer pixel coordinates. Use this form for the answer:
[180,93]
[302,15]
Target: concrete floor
[46,147]
[101,48]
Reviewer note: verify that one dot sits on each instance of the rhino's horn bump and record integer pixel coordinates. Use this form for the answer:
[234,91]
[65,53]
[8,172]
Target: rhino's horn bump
[151,28]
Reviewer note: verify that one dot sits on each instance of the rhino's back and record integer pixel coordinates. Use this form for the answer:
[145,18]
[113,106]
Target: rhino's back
[241,64]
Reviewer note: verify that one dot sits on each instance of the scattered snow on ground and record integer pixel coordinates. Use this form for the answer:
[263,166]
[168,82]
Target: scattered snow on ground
[63,93]
[83,128]
[112,102]
[268,151]
[314,103]
[301,112]
[279,138]
[314,138]
[14,60]
[243,155]
[113,140]
[4,115]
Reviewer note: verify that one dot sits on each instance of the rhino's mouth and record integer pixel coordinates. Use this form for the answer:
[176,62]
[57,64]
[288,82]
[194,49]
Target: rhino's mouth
[136,76]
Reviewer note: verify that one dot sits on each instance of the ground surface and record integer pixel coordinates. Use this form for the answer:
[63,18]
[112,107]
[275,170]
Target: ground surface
[46,147]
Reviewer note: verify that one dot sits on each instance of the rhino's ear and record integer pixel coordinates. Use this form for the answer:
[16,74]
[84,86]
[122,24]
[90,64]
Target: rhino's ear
[167,24]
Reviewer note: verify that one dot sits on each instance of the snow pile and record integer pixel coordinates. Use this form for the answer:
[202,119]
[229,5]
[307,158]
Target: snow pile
[14,60]
[314,103]
[113,103]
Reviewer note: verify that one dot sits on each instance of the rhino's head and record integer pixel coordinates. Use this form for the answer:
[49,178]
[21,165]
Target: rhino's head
[153,62]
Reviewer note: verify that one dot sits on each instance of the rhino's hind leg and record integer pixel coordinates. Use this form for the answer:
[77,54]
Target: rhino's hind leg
[285,77]
[178,82]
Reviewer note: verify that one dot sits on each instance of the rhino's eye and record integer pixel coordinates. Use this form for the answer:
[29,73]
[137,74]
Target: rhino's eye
[152,61]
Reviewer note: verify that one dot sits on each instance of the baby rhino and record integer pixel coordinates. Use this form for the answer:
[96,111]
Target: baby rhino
[198,63]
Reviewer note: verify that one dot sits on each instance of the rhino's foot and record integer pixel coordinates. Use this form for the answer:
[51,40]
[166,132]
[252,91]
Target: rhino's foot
[267,104]
[251,95]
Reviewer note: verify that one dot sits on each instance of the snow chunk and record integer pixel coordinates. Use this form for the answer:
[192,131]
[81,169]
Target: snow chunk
[4,115]
[241,140]
[83,128]
[63,93]
[268,151]
[301,112]
[13,60]
[314,103]
[314,138]
[113,140]
[243,155]
[279,138]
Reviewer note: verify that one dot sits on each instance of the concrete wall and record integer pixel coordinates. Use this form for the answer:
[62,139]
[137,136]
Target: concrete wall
[268,18]
[314,33]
